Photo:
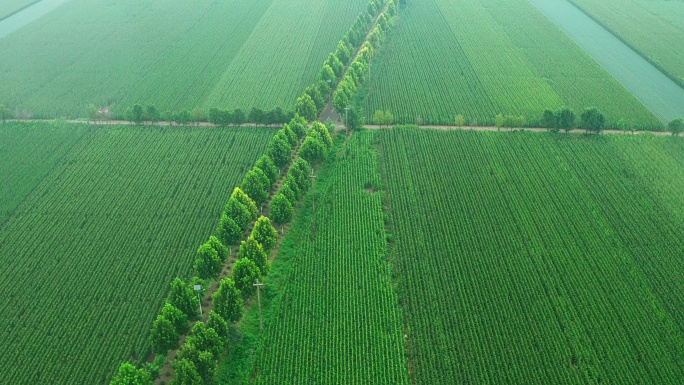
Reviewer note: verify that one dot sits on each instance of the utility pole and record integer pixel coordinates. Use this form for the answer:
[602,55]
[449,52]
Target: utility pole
[313,193]
[346,118]
[258,286]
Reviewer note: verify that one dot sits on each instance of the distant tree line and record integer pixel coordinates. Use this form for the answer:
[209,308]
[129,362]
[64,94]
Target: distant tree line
[137,114]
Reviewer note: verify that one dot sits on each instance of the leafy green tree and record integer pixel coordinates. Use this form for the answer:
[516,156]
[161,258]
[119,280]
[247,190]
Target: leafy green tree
[292,138]
[280,151]
[593,120]
[239,213]
[219,324]
[129,375]
[152,113]
[342,53]
[246,201]
[549,120]
[301,171]
[327,74]
[352,120]
[208,263]
[676,127]
[298,125]
[227,301]
[336,65]
[288,193]
[137,113]
[315,95]
[291,182]
[566,119]
[281,209]
[265,163]
[183,298]
[306,108]
[228,231]
[92,113]
[256,116]
[204,361]
[252,250]
[245,273]
[163,336]
[313,149]
[185,373]
[238,117]
[206,338]
[221,250]
[256,185]
[177,318]
[323,132]
[5,113]
[265,233]
[459,120]
[199,115]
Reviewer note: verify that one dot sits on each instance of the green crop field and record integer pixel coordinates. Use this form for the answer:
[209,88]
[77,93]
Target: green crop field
[8,7]
[332,316]
[533,258]
[487,57]
[655,28]
[94,235]
[204,53]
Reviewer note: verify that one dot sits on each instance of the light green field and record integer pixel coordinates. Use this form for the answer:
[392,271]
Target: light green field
[539,259]
[486,57]
[655,28]
[204,53]
[9,6]
[97,233]
[331,314]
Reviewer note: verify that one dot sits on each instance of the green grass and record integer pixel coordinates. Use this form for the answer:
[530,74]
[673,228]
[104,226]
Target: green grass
[204,53]
[89,252]
[331,314]
[10,6]
[655,28]
[487,57]
[534,258]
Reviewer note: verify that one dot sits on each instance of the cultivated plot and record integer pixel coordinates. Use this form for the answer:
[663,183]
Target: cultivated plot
[483,58]
[534,258]
[89,253]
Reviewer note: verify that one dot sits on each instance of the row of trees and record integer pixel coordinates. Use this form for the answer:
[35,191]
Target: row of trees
[592,119]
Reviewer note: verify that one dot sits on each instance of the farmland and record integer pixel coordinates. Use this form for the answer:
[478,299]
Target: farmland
[332,316]
[95,238]
[237,54]
[511,61]
[654,28]
[533,258]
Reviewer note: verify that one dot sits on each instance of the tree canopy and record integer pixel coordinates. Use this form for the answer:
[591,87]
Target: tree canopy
[129,375]
[183,298]
[676,126]
[593,120]
[281,209]
[252,250]
[227,301]
[245,273]
[265,233]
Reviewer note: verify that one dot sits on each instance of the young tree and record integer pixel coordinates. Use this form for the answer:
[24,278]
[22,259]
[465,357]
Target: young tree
[593,120]
[256,115]
[306,108]
[298,125]
[322,130]
[336,65]
[252,250]
[291,182]
[265,163]
[327,74]
[676,127]
[204,361]
[219,324]
[238,212]
[256,185]
[459,120]
[91,112]
[281,209]
[152,113]
[566,119]
[315,95]
[221,250]
[208,263]
[227,301]
[137,113]
[301,170]
[177,318]
[228,231]
[238,117]
[185,373]
[292,138]
[279,150]
[549,120]
[342,52]
[129,375]
[183,298]
[352,119]
[286,190]
[313,149]
[265,233]
[163,336]
[198,115]
[246,201]
[245,273]
[206,338]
